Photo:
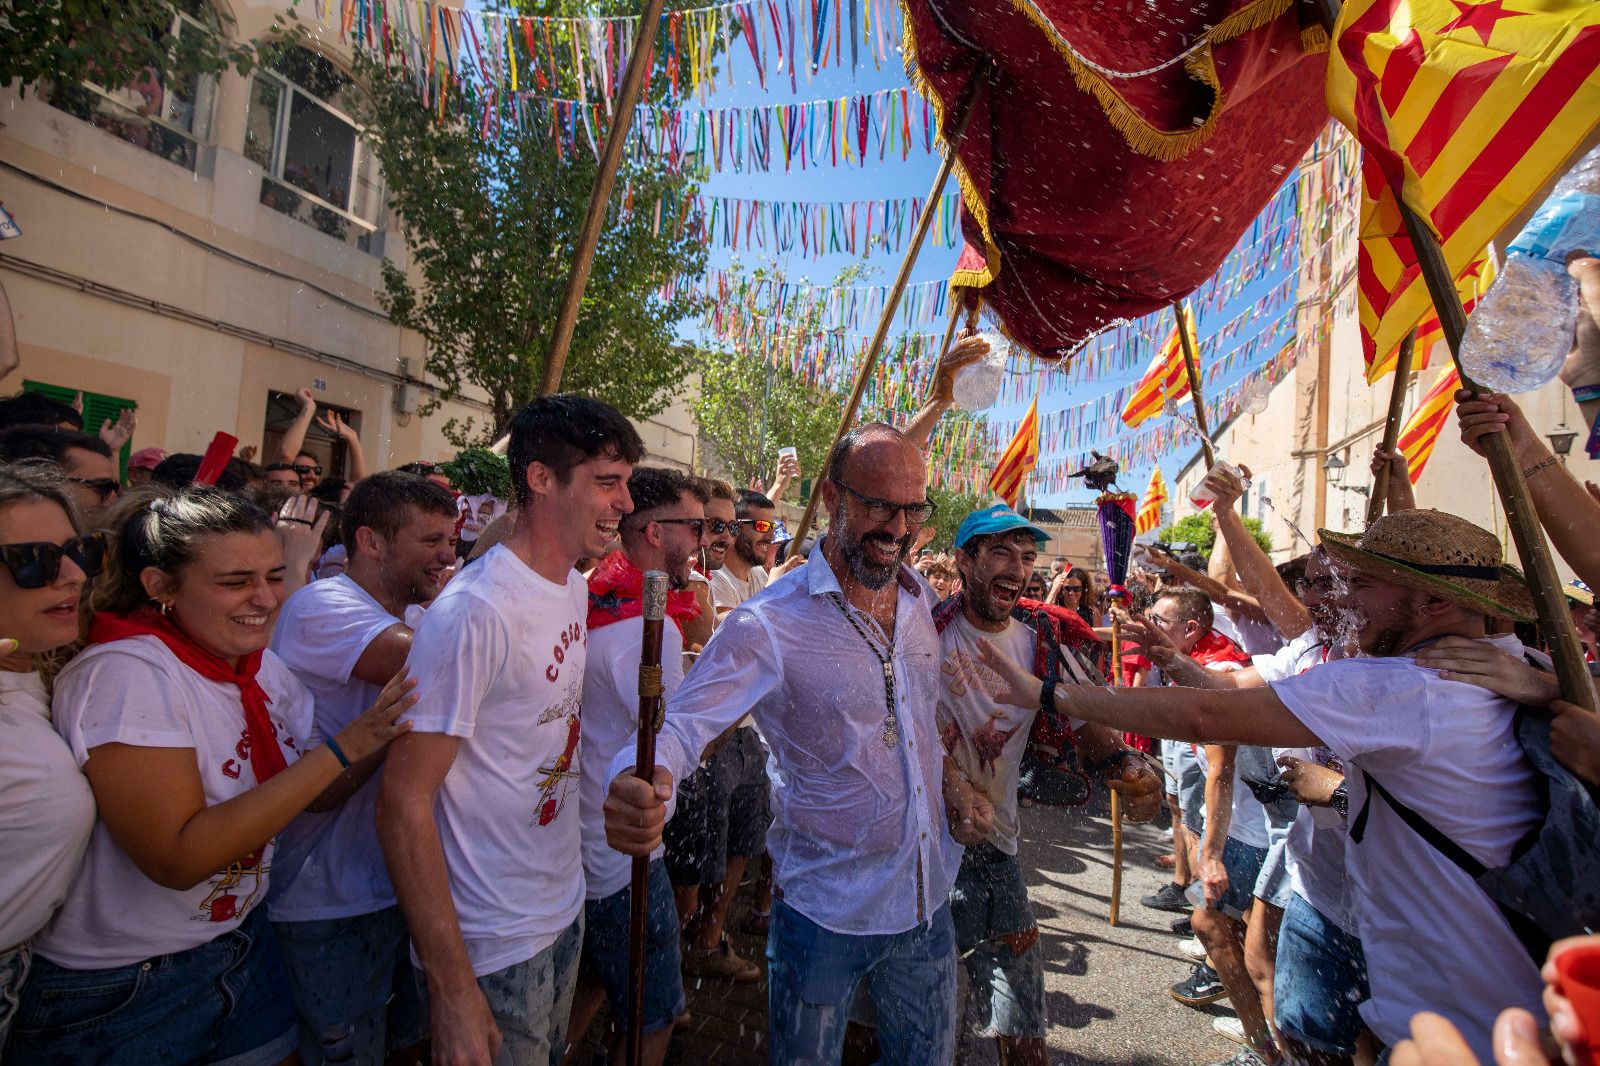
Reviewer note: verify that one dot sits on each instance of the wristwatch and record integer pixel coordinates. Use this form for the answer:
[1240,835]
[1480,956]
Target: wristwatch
[1340,801]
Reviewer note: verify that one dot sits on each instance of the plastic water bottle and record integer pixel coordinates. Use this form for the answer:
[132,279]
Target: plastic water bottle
[1522,329]
[978,386]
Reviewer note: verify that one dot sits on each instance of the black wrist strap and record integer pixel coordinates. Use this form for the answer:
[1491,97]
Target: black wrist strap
[1047,696]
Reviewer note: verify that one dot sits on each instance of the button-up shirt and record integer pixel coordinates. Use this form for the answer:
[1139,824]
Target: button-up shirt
[859,841]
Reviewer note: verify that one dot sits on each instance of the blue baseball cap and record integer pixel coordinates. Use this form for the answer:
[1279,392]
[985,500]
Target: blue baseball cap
[997,518]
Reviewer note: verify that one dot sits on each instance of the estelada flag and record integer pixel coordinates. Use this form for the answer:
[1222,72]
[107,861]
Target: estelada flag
[1166,379]
[1421,431]
[1149,516]
[1470,287]
[1019,458]
[1466,108]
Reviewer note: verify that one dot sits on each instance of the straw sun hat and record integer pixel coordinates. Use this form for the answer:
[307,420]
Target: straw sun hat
[1436,553]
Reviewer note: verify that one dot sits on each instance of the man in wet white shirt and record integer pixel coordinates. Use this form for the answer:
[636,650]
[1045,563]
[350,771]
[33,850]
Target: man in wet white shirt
[1433,939]
[332,904]
[837,661]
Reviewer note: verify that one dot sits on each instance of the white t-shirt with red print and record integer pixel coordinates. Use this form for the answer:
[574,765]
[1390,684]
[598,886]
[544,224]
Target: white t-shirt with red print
[499,662]
[135,691]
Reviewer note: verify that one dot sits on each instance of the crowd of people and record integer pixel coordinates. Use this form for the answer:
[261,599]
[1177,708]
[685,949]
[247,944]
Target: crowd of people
[290,775]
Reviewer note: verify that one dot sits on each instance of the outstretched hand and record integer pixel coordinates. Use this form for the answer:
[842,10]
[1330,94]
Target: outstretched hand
[1018,687]
[1151,641]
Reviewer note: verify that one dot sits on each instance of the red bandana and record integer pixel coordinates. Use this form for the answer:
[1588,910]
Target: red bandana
[1216,648]
[616,588]
[266,757]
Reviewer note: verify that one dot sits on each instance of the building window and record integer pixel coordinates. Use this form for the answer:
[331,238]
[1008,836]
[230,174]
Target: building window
[316,168]
[97,410]
[331,452]
[169,119]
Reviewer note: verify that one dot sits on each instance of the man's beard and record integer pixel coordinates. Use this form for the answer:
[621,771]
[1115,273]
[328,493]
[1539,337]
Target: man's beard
[746,550]
[976,595]
[873,575]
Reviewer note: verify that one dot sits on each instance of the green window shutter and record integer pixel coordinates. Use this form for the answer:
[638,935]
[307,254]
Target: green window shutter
[97,410]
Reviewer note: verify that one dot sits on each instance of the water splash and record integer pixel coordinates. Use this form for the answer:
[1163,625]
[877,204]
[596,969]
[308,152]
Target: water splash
[1266,501]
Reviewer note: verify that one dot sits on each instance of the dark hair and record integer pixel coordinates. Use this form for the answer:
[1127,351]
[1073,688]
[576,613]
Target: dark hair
[383,502]
[655,487]
[244,470]
[564,430]
[749,498]
[270,496]
[328,490]
[277,466]
[46,442]
[1294,571]
[177,471]
[152,527]
[846,445]
[37,409]
[422,468]
[1193,605]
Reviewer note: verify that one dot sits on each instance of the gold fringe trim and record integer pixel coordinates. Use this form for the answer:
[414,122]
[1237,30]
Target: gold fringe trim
[1314,40]
[1165,146]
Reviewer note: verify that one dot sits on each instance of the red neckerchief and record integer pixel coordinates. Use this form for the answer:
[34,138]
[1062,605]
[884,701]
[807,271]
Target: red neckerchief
[266,757]
[616,589]
[1216,648]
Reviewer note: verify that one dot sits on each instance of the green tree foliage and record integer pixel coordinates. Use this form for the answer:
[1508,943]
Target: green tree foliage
[953,506]
[113,43]
[747,411]
[491,224]
[1200,529]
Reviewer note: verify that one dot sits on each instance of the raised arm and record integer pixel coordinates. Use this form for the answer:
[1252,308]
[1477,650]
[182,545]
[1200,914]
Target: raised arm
[1259,577]
[336,425]
[1398,495]
[1236,601]
[966,351]
[294,438]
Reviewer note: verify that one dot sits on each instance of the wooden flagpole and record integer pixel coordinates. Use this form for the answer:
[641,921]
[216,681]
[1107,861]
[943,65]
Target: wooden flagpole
[1191,366]
[1116,796]
[610,159]
[1572,672]
[968,106]
[653,597]
[1391,424]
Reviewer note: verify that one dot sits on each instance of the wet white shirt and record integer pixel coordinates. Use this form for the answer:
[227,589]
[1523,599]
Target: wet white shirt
[859,841]
[1433,939]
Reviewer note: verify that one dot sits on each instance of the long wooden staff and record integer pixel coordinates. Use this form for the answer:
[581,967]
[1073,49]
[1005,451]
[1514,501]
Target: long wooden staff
[1116,796]
[651,710]
[627,101]
[1571,670]
[1191,367]
[1391,424]
[969,103]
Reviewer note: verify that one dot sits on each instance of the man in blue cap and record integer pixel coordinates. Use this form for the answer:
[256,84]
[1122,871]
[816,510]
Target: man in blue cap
[996,936]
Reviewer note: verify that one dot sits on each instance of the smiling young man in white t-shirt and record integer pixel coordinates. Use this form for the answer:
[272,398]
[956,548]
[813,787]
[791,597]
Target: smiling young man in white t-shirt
[478,811]
[1433,939]
[332,905]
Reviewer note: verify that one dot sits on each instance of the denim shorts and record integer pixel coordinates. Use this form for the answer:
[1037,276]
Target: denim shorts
[532,1001]
[1187,780]
[1320,980]
[224,1002]
[1243,863]
[724,808]
[998,941]
[1274,885]
[355,990]
[605,952]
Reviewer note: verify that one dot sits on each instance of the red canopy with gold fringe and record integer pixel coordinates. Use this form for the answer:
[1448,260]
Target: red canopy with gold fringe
[1090,196]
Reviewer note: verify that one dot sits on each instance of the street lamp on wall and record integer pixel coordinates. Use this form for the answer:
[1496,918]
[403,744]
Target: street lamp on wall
[1334,467]
[1561,438]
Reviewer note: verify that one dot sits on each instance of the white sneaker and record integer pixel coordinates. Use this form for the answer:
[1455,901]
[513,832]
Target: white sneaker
[1230,1027]
[1192,948]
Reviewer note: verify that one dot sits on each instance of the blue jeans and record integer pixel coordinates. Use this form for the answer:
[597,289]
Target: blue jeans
[14,966]
[1243,863]
[1320,980]
[355,989]
[910,978]
[224,1002]
[605,952]
[999,944]
[532,1001]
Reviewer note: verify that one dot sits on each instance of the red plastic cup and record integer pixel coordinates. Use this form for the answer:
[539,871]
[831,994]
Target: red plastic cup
[1578,973]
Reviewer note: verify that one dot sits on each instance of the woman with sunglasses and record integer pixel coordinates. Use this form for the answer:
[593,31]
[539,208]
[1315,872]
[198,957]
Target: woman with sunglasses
[48,808]
[1074,590]
[193,737]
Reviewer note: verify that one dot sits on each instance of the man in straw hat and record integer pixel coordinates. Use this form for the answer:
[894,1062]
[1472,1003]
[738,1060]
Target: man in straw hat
[1433,939]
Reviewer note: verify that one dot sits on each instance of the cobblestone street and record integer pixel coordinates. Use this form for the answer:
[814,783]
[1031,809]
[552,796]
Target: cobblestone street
[1105,987]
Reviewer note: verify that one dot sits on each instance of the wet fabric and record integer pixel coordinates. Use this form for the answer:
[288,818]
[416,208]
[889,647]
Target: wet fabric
[355,991]
[723,810]
[1319,982]
[1243,863]
[814,975]
[606,952]
[532,1001]
[998,941]
[224,1001]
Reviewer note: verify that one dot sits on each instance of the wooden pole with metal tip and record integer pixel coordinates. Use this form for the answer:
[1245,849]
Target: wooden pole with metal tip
[1116,796]
[1191,367]
[968,106]
[651,710]
[628,94]
[1391,424]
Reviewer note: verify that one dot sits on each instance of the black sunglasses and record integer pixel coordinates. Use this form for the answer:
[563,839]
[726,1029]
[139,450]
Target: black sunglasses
[697,524]
[885,510]
[308,470]
[718,526]
[38,563]
[100,486]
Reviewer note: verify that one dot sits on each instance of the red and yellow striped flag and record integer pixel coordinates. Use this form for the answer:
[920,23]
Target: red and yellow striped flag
[1466,108]
[1421,431]
[1149,516]
[1019,458]
[1166,379]
[1470,287]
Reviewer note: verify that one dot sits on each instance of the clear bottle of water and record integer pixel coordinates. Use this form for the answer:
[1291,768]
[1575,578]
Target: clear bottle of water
[1522,329]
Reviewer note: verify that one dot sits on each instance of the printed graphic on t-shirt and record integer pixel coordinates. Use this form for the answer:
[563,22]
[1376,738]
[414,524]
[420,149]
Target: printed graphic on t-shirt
[985,742]
[560,777]
[235,766]
[574,634]
[223,902]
